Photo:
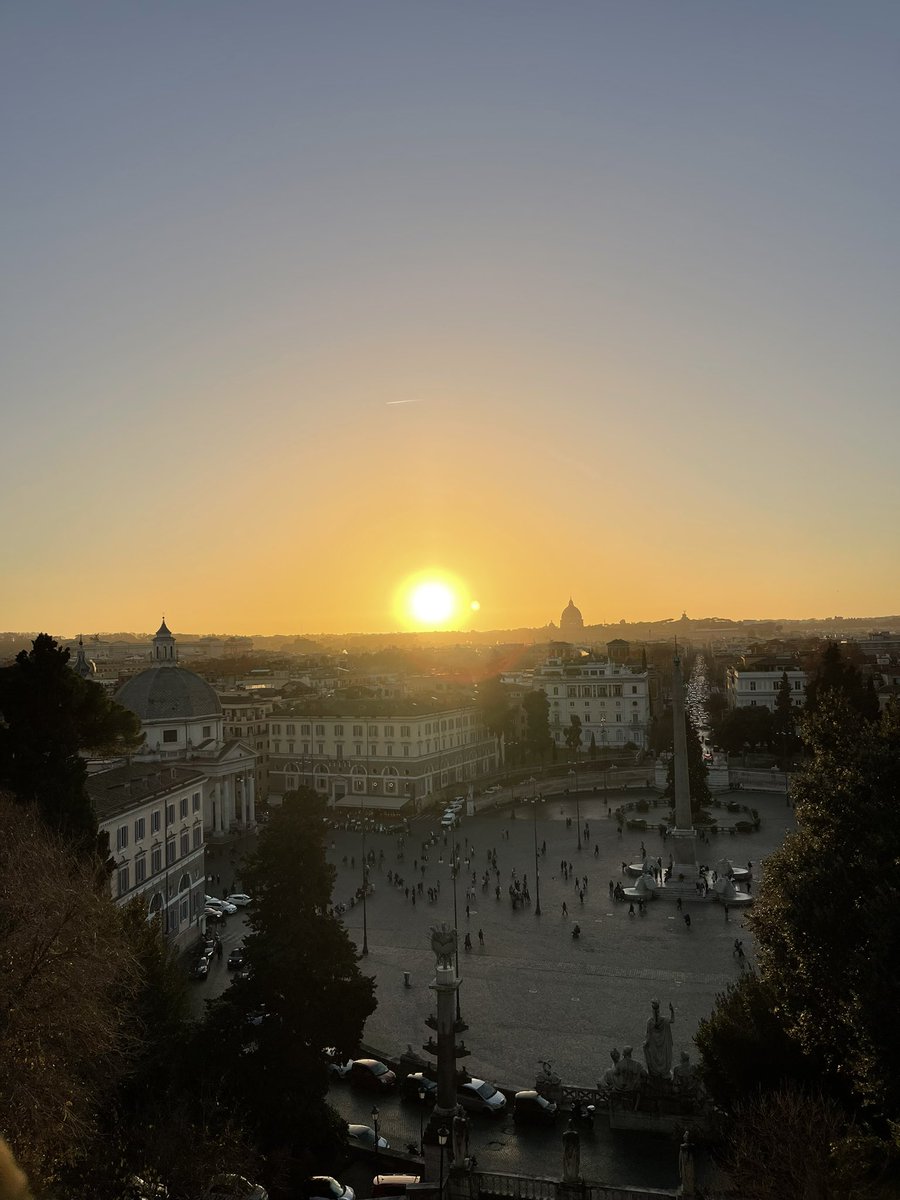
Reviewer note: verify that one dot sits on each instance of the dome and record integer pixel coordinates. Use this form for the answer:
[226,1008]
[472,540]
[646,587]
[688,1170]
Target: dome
[164,693]
[571,620]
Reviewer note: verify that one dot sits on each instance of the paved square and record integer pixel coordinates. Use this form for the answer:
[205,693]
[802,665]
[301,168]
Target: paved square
[532,992]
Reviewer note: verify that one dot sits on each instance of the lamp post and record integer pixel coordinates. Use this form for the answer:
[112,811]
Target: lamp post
[537,869]
[375,1116]
[421,1119]
[443,1135]
[454,871]
[574,774]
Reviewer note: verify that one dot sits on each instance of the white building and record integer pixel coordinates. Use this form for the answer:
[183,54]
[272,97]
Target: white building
[385,756]
[153,815]
[758,686]
[612,701]
[182,721]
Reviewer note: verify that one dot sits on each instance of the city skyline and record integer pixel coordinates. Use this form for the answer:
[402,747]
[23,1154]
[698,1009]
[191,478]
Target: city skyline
[304,302]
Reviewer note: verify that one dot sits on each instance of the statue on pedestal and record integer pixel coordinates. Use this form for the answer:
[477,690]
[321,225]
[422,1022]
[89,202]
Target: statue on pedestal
[571,1155]
[443,944]
[630,1074]
[658,1042]
[684,1076]
[611,1077]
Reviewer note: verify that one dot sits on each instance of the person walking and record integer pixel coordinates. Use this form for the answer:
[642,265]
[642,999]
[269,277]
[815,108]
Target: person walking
[687,920]
[565,909]
[481,936]
[726,911]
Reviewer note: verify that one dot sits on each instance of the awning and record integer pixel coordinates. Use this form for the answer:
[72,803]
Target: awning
[373,803]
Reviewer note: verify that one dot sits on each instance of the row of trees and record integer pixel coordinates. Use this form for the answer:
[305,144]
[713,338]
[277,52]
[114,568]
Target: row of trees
[105,1074]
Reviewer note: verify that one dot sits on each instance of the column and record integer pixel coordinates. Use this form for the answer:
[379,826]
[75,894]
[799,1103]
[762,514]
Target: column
[228,803]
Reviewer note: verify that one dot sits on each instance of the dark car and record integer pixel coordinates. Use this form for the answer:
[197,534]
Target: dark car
[370,1073]
[200,969]
[236,959]
[412,1084]
[530,1107]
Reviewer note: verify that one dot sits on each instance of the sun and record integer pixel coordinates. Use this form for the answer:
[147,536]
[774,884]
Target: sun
[432,603]
[431,599]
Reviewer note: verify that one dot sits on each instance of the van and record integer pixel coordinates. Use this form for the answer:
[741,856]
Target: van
[393,1185]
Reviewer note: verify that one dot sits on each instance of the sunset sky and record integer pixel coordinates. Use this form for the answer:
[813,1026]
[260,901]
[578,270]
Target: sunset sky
[301,300]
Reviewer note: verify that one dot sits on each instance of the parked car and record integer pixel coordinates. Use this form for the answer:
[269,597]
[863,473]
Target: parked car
[363,1136]
[214,914]
[326,1187]
[241,899]
[394,1185]
[234,1187]
[449,820]
[531,1107]
[412,1084]
[339,1067]
[455,806]
[493,789]
[225,905]
[370,1073]
[236,959]
[480,1097]
[200,969]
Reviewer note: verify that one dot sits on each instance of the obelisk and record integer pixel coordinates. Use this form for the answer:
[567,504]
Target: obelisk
[684,851]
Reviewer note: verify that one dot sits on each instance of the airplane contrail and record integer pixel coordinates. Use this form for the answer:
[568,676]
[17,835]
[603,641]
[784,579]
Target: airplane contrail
[414,400]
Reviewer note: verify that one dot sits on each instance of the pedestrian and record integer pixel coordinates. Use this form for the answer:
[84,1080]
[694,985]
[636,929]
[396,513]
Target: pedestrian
[467,912]
[687,920]
[565,909]
[481,936]
[468,942]
[678,904]
[726,912]
[596,850]
[414,898]
[631,908]
[581,897]
[612,887]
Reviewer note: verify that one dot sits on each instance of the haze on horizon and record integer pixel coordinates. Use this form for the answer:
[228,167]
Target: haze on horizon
[636,264]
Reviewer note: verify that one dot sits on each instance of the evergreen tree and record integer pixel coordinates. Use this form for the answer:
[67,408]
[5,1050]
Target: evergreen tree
[496,711]
[47,715]
[537,723]
[305,992]
[573,734]
[834,674]
[783,725]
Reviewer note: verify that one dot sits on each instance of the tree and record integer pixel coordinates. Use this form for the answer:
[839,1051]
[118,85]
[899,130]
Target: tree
[573,734]
[835,674]
[783,724]
[537,722]
[67,976]
[50,714]
[496,711]
[267,1035]
[737,728]
[827,929]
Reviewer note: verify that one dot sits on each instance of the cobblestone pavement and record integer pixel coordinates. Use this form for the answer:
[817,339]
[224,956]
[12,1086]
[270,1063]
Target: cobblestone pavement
[532,992]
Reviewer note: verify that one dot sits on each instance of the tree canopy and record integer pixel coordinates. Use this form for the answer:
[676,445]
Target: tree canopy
[49,715]
[836,675]
[305,991]
[537,723]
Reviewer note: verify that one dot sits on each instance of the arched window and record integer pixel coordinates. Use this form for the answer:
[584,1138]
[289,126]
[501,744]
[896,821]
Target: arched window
[156,904]
[184,883]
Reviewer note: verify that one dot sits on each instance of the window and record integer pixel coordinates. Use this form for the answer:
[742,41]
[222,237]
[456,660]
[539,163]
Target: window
[752,685]
[170,814]
[390,750]
[195,802]
[373,731]
[140,869]
[121,837]
[373,749]
[185,844]
[320,747]
[207,731]
[797,685]
[304,730]
[357,749]
[290,730]
[170,735]
[306,747]
[357,730]
[184,910]
[156,860]
[618,717]
[183,807]
[338,731]
[290,747]
[406,751]
[339,749]
[276,747]
[634,689]
[123,880]
[277,729]
[404,731]
[388,731]
[320,731]
[634,718]
[139,829]
[171,851]
[197,836]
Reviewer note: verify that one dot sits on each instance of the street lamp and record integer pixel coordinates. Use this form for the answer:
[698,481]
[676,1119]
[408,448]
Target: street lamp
[421,1119]
[443,1135]
[375,1116]
[365,871]
[574,774]
[454,871]
[537,869]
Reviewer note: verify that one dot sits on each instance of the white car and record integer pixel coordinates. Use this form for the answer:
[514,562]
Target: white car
[478,1096]
[455,807]
[449,820]
[495,787]
[364,1136]
[241,899]
[224,905]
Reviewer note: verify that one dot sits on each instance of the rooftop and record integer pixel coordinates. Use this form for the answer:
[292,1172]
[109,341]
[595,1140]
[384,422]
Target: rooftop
[124,788]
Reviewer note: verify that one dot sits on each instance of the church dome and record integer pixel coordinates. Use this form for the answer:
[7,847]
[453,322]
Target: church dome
[168,692]
[571,620]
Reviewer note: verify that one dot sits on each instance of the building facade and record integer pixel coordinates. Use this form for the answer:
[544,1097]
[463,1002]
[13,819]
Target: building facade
[153,816]
[383,757]
[751,687]
[612,701]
